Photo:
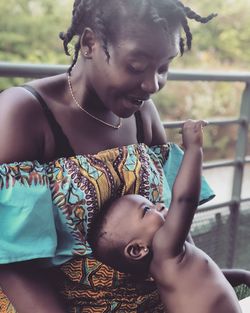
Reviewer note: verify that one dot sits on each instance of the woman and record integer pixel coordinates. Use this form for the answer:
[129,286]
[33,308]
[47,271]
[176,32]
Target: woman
[94,125]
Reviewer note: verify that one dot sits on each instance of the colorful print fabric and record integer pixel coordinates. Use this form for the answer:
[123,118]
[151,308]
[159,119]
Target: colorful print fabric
[53,205]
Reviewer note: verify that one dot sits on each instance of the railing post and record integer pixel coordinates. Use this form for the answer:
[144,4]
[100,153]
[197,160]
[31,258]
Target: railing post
[241,151]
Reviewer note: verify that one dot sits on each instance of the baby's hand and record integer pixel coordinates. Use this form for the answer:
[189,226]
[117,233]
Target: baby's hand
[192,134]
[247,278]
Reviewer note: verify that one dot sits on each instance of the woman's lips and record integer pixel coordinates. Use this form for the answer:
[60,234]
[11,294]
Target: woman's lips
[137,101]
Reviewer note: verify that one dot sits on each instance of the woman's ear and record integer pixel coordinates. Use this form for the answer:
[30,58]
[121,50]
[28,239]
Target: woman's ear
[88,41]
[136,250]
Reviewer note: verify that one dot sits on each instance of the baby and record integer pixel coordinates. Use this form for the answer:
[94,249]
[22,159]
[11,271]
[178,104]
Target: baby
[136,236]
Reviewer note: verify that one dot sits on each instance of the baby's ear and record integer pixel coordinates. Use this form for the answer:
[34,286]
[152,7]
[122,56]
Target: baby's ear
[136,250]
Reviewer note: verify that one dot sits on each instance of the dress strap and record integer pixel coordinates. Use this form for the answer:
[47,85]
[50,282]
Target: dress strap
[63,146]
[139,127]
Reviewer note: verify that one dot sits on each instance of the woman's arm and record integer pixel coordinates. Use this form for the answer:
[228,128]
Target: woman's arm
[21,139]
[28,289]
[237,277]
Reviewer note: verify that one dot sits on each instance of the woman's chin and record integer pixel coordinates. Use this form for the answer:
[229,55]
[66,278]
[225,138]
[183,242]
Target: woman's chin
[128,108]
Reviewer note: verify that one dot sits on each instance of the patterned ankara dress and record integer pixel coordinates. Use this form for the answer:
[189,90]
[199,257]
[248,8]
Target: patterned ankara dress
[53,204]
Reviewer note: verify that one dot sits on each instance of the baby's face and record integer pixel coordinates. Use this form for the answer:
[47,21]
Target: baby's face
[135,217]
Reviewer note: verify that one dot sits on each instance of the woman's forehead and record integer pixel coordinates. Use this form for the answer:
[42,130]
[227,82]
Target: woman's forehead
[148,40]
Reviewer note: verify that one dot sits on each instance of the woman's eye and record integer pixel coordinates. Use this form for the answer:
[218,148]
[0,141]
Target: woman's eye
[136,69]
[146,209]
[163,69]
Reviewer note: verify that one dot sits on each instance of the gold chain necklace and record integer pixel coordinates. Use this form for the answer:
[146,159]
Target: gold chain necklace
[85,111]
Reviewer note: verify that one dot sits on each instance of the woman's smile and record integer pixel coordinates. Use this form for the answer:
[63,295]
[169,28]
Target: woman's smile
[133,102]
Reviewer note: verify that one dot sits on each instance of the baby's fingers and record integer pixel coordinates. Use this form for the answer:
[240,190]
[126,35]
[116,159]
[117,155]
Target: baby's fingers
[195,124]
[204,123]
[198,125]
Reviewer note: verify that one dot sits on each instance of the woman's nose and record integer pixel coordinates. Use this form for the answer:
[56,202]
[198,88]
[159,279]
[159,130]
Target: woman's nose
[151,85]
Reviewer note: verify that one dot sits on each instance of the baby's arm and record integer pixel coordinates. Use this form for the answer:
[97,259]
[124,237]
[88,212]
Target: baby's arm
[28,290]
[170,238]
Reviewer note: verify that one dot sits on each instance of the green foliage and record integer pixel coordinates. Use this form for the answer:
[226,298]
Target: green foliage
[29,30]
[225,40]
[220,45]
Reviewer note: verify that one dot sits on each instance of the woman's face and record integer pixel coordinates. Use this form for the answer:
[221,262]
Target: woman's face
[137,68]
[134,217]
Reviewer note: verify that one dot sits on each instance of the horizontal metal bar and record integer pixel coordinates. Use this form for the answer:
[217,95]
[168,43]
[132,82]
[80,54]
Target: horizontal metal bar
[245,200]
[221,205]
[8,69]
[209,76]
[30,70]
[215,206]
[213,122]
[235,162]
[218,164]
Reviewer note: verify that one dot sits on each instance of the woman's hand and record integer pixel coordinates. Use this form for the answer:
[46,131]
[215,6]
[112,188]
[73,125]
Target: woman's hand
[29,289]
[246,278]
[237,277]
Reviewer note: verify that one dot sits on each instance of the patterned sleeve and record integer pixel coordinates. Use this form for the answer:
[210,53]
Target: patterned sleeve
[46,209]
[26,216]
[171,156]
[29,224]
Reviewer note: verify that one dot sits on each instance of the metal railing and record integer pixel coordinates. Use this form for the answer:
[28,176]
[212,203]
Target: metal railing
[243,121]
[241,158]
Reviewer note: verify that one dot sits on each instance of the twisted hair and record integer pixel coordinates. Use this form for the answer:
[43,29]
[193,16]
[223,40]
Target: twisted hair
[104,17]
[80,19]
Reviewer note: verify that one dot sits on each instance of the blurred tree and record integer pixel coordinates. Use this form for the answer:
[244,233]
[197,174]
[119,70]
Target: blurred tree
[29,33]
[29,30]
[221,45]
[223,42]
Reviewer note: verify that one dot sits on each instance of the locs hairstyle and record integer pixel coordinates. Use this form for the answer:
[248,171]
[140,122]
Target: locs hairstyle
[103,15]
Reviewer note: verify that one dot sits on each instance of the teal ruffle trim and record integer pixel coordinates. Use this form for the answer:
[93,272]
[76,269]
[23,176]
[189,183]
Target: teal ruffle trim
[31,224]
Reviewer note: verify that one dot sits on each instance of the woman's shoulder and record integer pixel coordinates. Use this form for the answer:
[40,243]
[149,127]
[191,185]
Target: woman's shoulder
[20,125]
[17,99]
